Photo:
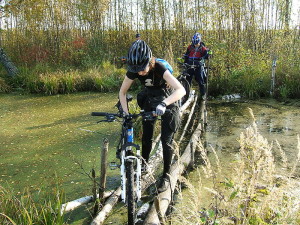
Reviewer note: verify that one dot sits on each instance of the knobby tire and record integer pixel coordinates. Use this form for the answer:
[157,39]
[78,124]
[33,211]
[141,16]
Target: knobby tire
[187,88]
[131,194]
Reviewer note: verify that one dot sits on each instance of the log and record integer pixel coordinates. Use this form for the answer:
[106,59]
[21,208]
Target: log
[142,213]
[189,120]
[148,179]
[69,206]
[103,169]
[203,113]
[177,169]
[109,204]
[187,103]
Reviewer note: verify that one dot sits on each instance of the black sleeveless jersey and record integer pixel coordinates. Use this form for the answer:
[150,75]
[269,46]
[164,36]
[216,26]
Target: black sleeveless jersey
[154,79]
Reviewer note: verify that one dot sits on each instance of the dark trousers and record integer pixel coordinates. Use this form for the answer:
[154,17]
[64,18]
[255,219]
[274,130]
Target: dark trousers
[169,124]
[200,77]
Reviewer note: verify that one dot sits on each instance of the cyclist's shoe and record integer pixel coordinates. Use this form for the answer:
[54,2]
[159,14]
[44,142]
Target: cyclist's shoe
[203,97]
[165,183]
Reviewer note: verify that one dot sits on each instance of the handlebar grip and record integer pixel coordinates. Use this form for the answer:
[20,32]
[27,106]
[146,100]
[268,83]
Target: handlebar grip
[99,114]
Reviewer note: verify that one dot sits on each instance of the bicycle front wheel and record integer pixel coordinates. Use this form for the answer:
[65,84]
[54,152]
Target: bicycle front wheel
[131,194]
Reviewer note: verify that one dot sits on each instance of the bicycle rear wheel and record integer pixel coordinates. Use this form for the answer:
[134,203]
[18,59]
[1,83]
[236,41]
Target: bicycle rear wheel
[131,194]
[187,88]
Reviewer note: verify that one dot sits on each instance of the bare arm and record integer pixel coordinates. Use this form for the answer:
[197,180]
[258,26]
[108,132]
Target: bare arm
[176,85]
[123,91]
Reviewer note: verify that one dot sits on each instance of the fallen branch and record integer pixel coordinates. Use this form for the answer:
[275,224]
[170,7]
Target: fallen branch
[69,206]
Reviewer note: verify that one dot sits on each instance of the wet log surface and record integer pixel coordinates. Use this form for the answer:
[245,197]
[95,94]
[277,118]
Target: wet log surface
[163,200]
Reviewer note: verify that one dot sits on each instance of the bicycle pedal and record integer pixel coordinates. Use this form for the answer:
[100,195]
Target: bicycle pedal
[113,165]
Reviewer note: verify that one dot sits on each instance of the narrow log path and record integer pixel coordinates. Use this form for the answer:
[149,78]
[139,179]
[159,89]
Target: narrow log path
[157,211]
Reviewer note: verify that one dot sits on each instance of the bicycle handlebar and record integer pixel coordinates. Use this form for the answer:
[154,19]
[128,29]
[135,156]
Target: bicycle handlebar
[101,114]
[112,116]
[190,66]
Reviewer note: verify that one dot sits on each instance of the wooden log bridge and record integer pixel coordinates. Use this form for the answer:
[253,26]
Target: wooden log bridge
[163,200]
[157,211]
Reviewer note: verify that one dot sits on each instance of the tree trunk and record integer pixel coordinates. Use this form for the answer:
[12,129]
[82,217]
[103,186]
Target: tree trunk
[9,66]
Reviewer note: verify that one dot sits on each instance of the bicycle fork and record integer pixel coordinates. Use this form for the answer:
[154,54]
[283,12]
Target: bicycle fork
[137,170]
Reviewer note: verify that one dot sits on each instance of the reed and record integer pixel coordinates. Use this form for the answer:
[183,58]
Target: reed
[253,193]
[103,79]
[29,208]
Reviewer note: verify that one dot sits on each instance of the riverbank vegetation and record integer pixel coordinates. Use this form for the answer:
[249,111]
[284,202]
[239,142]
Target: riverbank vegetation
[67,42]
[40,207]
[256,190]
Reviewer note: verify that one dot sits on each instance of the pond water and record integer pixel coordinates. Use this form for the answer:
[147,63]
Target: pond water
[45,140]
[52,140]
[275,121]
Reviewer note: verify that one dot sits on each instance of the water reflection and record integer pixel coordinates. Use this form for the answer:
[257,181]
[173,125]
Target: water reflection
[275,121]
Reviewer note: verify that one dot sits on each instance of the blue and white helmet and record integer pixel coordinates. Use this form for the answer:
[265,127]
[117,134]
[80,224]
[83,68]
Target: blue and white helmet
[196,39]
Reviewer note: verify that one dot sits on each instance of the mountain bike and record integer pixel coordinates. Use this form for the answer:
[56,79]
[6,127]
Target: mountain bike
[183,77]
[130,158]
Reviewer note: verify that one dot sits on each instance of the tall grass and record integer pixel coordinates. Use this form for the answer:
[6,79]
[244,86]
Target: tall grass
[4,87]
[246,72]
[30,208]
[253,193]
[102,78]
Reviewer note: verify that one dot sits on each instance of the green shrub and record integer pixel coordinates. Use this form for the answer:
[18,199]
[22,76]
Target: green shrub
[103,78]
[4,87]
[287,81]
